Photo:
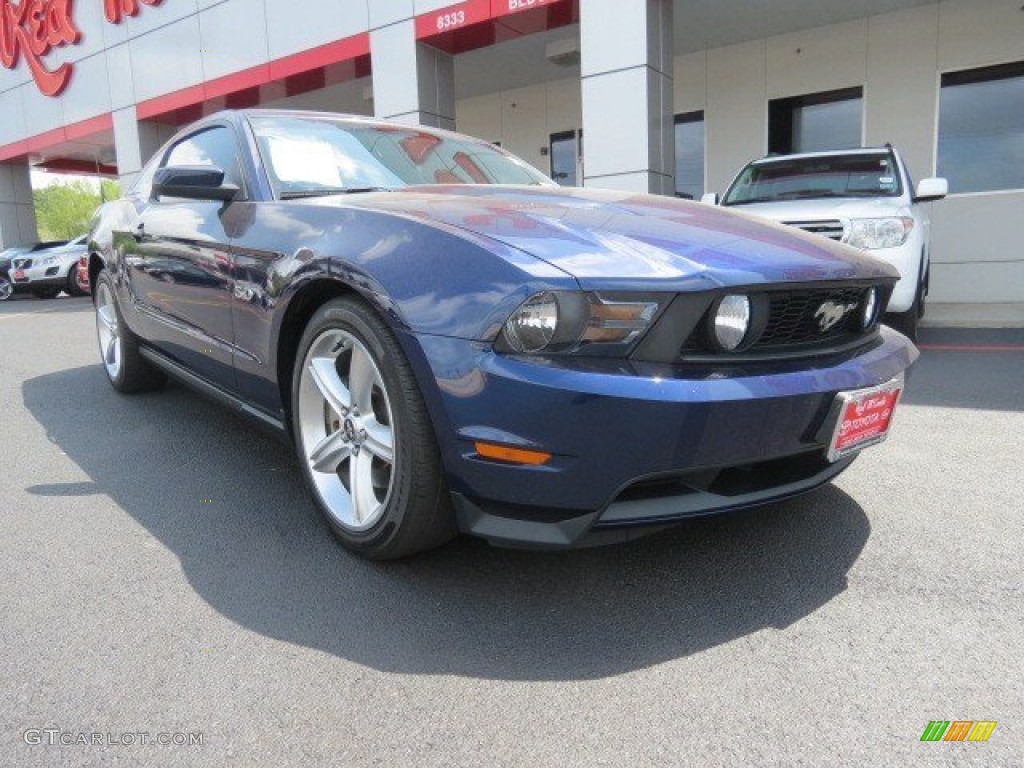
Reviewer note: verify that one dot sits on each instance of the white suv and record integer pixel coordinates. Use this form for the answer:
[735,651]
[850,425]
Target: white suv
[862,197]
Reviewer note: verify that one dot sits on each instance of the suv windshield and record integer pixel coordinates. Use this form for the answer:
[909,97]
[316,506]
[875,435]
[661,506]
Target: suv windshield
[309,156]
[859,175]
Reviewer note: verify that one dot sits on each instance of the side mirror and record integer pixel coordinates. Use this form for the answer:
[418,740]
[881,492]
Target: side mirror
[194,182]
[709,198]
[931,189]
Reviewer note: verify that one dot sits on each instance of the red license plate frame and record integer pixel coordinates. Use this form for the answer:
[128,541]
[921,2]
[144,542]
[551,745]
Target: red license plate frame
[863,417]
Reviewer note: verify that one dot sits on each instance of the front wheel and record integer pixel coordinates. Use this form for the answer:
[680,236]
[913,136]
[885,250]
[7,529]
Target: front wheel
[364,439]
[6,287]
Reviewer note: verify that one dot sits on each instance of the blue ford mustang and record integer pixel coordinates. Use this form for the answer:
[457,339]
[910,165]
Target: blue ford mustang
[453,343]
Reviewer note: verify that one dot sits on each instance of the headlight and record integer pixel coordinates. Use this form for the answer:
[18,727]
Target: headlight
[565,321]
[731,322]
[532,327]
[887,232]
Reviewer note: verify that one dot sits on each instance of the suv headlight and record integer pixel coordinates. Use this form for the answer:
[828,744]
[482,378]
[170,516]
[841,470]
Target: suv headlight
[561,322]
[886,232]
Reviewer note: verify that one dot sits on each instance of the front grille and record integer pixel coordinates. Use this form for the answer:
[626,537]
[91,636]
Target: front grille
[797,317]
[831,228]
[788,323]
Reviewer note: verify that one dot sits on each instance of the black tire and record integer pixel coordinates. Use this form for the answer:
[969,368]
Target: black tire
[417,514]
[73,288]
[46,293]
[6,287]
[908,321]
[135,374]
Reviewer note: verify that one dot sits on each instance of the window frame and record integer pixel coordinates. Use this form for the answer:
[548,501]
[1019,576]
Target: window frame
[682,118]
[970,75]
[818,98]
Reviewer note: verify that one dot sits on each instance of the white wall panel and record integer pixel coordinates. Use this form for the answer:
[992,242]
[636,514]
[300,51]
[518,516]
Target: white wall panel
[233,37]
[12,125]
[290,29]
[384,12]
[900,95]
[93,98]
[815,60]
[690,82]
[736,118]
[156,16]
[524,124]
[120,76]
[980,32]
[564,105]
[988,283]
[157,61]
[42,113]
[480,116]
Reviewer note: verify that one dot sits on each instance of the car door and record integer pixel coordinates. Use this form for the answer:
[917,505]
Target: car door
[180,270]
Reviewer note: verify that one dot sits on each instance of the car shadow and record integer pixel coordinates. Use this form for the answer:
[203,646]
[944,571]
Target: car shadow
[229,502]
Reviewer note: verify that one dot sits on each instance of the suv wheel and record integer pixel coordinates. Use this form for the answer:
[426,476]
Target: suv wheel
[6,287]
[364,439]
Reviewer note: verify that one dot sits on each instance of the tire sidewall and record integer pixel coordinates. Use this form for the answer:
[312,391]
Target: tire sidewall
[347,315]
[104,279]
[5,296]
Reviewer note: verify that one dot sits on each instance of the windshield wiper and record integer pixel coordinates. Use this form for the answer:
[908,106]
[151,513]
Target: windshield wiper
[300,193]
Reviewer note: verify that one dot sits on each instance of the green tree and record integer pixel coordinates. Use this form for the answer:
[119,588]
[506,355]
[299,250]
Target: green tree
[64,210]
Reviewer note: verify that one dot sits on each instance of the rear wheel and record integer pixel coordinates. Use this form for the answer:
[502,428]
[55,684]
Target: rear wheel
[6,287]
[127,370]
[365,442]
[46,293]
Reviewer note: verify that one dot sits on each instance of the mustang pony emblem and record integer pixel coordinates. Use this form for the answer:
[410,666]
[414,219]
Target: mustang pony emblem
[831,312]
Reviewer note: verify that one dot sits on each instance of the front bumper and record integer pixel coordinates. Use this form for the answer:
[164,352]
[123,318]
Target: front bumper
[633,444]
[41,276]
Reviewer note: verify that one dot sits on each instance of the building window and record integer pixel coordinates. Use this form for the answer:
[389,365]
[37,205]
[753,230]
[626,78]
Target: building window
[981,129]
[816,122]
[565,156]
[689,130]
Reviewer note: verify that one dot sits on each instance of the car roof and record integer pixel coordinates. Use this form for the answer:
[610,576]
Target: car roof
[825,153]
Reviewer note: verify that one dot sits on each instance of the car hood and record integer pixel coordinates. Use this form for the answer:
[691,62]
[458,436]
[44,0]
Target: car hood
[823,209]
[626,240]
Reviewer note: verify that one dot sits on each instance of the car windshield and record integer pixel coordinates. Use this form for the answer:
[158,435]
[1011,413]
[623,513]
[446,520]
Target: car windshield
[821,176]
[309,156]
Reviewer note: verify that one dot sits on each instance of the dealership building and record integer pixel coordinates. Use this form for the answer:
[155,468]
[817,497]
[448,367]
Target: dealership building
[662,96]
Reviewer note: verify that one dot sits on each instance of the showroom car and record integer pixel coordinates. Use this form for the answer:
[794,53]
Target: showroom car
[862,197]
[46,271]
[456,344]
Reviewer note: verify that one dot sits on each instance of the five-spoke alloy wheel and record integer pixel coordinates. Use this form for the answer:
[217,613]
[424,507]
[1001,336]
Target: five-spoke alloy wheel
[364,438]
[347,428]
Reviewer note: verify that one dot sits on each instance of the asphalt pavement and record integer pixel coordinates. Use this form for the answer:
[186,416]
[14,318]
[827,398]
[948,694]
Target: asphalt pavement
[164,576]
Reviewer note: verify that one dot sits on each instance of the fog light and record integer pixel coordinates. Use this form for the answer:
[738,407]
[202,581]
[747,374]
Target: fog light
[732,321]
